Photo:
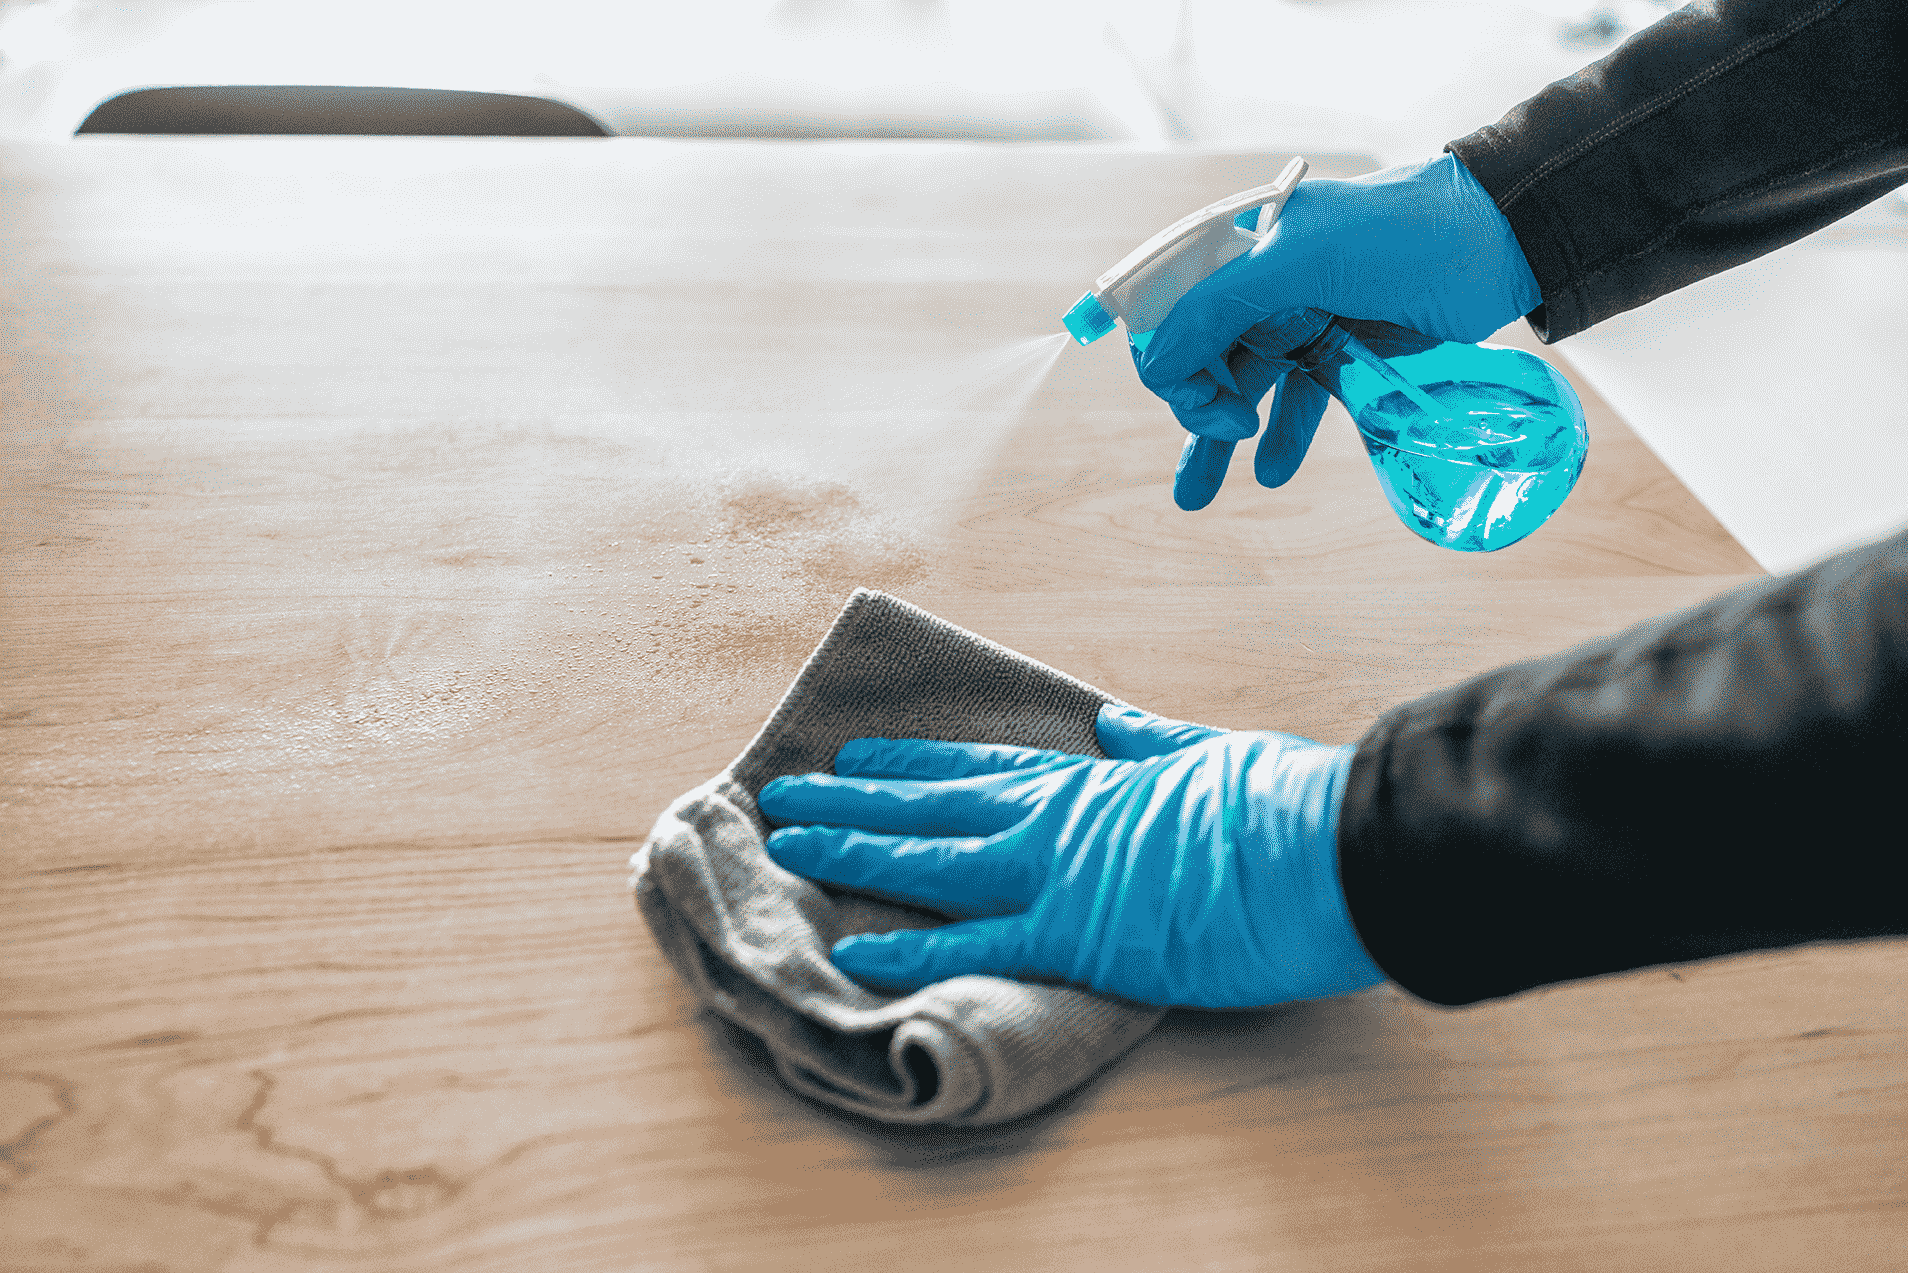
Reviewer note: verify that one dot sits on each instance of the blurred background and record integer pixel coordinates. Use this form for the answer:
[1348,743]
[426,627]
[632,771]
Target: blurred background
[1699,374]
[1393,79]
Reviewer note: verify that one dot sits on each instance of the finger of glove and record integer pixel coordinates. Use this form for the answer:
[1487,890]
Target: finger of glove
[1221,373]
[1231,414]
[1200,472]
[912,958]
[966,876]
[1255,371]
[1193,392]
[963,806]
[1297,406]
[1202,328]
[1225,417]
[932,760]
[1127,733]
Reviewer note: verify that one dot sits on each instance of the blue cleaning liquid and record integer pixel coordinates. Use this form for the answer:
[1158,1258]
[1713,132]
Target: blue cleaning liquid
[1475,446]
[1486,472]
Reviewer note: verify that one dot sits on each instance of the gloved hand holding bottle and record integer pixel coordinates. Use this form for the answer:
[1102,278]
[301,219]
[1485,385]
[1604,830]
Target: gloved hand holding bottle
[1423,247]
[1194,867]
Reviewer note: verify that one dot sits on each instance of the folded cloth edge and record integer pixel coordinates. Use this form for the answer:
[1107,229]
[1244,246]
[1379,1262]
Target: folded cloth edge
[752,769]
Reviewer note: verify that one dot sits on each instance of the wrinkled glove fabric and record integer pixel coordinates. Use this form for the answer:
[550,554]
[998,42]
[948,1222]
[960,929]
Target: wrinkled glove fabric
[752,939]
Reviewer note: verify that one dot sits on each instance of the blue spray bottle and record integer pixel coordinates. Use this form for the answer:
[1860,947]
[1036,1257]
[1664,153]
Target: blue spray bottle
[1475,446]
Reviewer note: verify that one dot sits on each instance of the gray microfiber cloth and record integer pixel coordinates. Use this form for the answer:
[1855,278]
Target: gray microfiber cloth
[752,939]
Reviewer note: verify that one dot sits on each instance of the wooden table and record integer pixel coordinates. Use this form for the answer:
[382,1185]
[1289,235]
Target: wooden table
[393,527]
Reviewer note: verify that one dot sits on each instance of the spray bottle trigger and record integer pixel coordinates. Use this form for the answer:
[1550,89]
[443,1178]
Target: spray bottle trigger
[1255,224]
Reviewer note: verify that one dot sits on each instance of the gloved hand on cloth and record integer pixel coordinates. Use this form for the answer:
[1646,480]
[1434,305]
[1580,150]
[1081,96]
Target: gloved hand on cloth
[1194,867]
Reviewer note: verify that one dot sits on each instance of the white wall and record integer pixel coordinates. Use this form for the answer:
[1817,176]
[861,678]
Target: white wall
[1778,391]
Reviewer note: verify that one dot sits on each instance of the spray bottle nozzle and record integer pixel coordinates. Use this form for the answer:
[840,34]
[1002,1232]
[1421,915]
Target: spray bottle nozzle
[1148,280]
[1088,320]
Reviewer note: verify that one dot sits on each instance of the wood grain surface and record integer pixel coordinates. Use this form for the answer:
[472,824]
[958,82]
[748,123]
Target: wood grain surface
[392,527]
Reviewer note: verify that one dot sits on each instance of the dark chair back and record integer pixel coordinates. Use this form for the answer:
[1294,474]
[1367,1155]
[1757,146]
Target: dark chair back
[330,109]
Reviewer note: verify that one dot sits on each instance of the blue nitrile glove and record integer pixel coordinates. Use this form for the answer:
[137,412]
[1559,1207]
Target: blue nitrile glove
[1422,246]
[1197,867]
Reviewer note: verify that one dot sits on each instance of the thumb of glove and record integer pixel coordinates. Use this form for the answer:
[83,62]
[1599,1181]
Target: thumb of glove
[1129,733]
[905,961]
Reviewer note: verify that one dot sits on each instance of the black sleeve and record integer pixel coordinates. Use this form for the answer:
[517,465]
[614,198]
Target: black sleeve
[1722,132]
[1727,778]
